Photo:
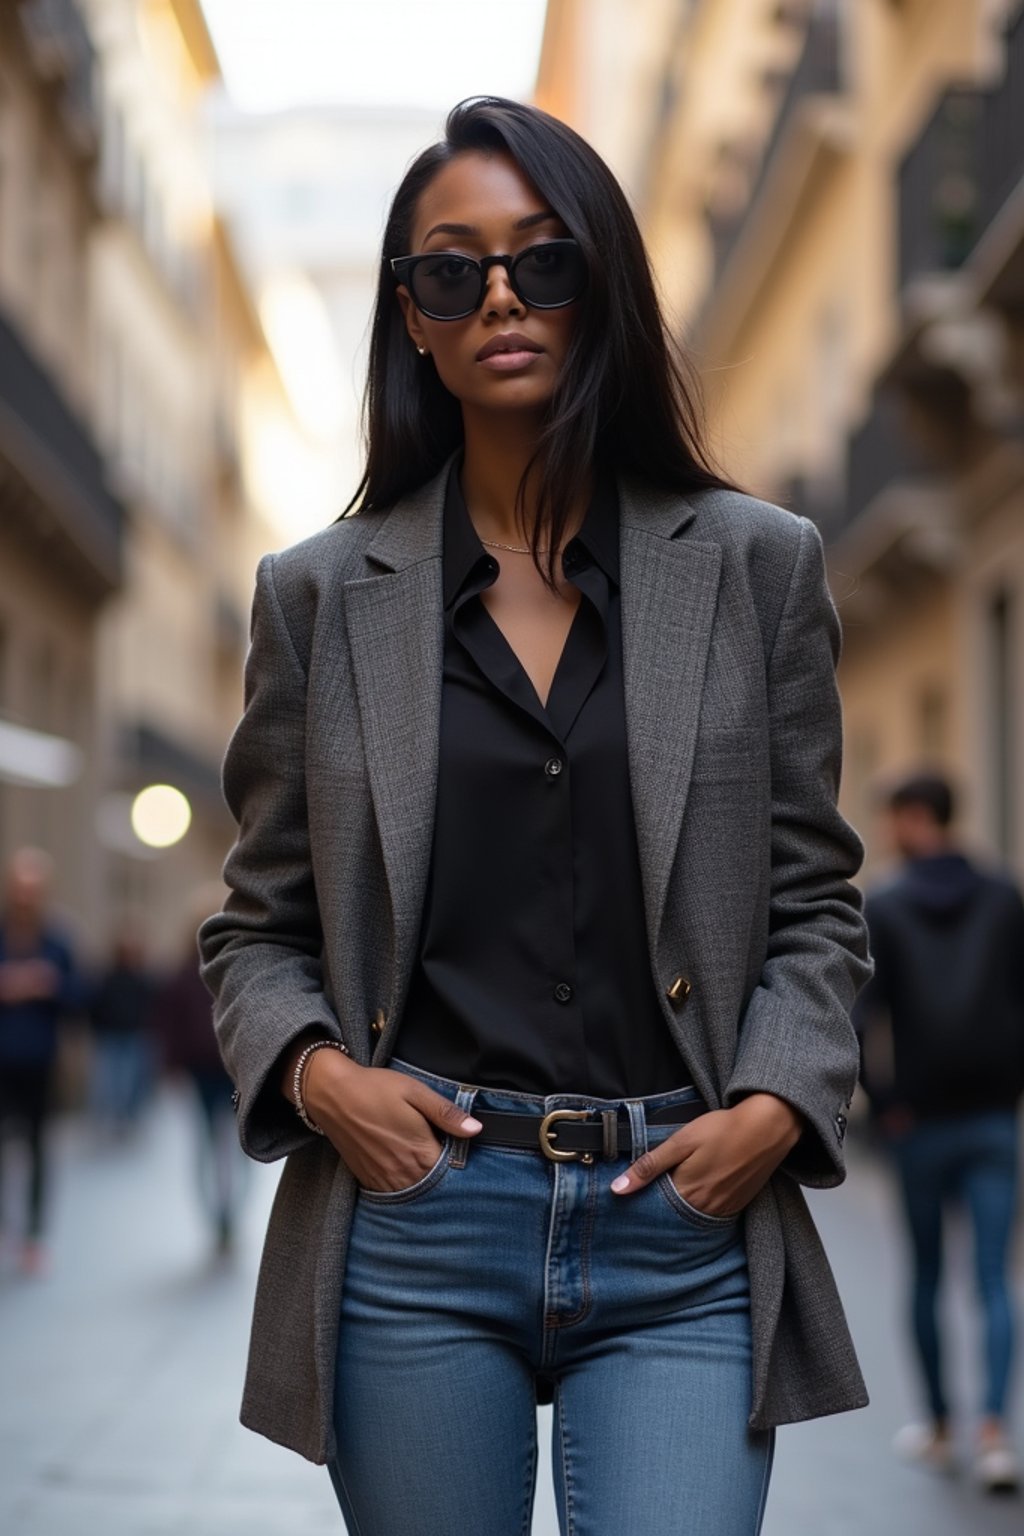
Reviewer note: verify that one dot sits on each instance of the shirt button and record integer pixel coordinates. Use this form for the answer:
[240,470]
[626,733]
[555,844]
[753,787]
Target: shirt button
[491,566]
[563,992]
[553,767]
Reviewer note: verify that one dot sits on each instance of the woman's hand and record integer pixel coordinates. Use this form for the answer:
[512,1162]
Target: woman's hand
[381,1122]
[720,1161]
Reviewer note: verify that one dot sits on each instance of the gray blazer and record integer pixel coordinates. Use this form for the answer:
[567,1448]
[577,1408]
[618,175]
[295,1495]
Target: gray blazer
[734,735]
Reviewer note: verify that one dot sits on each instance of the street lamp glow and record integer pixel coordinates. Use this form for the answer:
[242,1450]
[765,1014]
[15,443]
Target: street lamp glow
[161,815]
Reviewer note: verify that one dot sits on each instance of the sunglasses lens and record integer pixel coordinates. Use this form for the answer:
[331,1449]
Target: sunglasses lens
[551,275]
[446,286]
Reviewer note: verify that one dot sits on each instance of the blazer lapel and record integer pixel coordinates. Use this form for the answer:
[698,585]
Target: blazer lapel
[669,594]
[395,625]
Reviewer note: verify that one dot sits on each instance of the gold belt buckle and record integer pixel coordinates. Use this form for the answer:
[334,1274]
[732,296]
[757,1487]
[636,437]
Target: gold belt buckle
[547,1135]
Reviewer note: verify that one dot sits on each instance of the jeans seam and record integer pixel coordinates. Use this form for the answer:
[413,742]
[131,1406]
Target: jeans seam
[765,1481]
[563,1445]
[357,1529]
[556,1319]
[529,1486]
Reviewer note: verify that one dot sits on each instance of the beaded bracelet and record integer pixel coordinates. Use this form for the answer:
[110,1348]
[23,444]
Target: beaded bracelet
[297,1075]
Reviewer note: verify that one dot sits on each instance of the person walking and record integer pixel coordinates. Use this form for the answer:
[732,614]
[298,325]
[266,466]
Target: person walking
[948,942]
[39,983]
[120,1017]
[540,942]
[182,1020]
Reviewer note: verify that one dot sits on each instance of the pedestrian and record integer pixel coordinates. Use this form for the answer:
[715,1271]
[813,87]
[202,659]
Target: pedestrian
[540,945]
[183,1023]
[120,1009]
[947,998]
[39,984]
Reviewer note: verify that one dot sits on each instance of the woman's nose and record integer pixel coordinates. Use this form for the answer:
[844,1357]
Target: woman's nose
[500,297]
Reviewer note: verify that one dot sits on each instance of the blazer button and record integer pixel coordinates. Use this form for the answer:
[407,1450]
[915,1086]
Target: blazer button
[379,1021]
[679,989]
[841,1126]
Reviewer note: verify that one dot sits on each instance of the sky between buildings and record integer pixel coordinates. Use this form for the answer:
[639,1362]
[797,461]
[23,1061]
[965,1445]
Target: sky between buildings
[428,53]
[327,102]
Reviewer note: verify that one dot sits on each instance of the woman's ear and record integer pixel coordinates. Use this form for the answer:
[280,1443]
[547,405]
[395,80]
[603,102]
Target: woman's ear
[413,325]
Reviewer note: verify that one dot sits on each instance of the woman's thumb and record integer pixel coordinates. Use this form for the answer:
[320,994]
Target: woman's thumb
[448,1117]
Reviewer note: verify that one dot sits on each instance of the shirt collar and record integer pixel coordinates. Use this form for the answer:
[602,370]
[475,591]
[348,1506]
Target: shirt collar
[598,535]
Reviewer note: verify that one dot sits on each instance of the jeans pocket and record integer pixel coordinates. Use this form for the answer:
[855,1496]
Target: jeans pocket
[433,1176]
[689,1212]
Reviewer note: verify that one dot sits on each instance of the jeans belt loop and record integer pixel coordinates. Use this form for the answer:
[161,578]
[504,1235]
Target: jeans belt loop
[460,1144]
[638,1127]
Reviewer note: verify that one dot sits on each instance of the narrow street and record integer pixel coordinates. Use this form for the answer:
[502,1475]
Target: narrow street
[122,1368]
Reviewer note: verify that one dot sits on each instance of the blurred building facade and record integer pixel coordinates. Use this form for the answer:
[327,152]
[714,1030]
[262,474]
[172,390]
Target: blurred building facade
[133,516]
[307,191]
[62,530]
[833,195]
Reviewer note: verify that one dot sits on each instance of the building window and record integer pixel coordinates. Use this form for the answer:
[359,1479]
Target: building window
[932,717]
[1002,734]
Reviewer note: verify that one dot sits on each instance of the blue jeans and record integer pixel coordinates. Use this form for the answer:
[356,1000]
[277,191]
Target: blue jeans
[973,1160]
[499,1267]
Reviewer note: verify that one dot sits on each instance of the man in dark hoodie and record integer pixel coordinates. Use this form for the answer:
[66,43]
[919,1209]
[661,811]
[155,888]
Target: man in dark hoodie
[948,943]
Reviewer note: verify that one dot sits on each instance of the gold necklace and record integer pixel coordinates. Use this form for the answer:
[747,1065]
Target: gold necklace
[515,549]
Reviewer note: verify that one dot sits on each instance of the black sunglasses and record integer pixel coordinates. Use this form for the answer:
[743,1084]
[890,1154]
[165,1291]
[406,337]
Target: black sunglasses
[445,285]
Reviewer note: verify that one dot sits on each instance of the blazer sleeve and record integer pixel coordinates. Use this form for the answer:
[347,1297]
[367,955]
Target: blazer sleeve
[796,1039]
[260,956]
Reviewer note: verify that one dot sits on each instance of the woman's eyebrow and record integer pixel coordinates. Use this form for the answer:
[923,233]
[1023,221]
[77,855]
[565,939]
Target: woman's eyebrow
[528,222]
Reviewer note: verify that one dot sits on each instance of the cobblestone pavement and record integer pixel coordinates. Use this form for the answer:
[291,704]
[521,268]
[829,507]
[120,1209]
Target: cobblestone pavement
[121,1371]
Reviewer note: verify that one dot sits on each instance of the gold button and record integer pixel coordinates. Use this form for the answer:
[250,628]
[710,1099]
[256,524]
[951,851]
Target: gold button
[379,1021]
[679,990]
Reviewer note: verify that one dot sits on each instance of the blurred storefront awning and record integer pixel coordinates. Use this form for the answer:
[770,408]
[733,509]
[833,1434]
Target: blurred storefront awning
[51,475]
[36,759]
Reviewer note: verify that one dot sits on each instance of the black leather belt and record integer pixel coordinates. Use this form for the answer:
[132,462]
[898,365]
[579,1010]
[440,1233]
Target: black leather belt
[576,1135]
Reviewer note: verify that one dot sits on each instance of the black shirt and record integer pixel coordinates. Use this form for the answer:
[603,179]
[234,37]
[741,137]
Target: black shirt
[533,969]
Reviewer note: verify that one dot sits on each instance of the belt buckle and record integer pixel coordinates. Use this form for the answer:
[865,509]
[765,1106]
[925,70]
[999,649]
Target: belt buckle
[546,1134]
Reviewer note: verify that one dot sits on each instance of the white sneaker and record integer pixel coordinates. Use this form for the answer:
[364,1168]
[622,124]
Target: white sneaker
[921,1444]
[996,1468]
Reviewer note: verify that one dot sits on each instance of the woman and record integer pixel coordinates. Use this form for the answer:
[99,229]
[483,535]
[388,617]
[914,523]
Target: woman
[536,791]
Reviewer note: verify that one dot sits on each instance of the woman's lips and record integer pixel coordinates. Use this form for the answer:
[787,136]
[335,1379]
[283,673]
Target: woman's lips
[509,362]
[508,352]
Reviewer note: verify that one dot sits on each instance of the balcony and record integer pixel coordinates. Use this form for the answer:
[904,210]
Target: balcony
[893,531]
[818,73]
[938,189]
[812,128]
[62,52]
[881,454]
[999,254]
[52,486]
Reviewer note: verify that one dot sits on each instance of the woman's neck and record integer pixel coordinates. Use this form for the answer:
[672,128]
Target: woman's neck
[497,453]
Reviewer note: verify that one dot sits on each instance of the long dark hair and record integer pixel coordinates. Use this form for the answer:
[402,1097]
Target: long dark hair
[626,398]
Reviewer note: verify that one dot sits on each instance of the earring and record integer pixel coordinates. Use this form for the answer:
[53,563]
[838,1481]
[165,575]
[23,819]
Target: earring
[422,351]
